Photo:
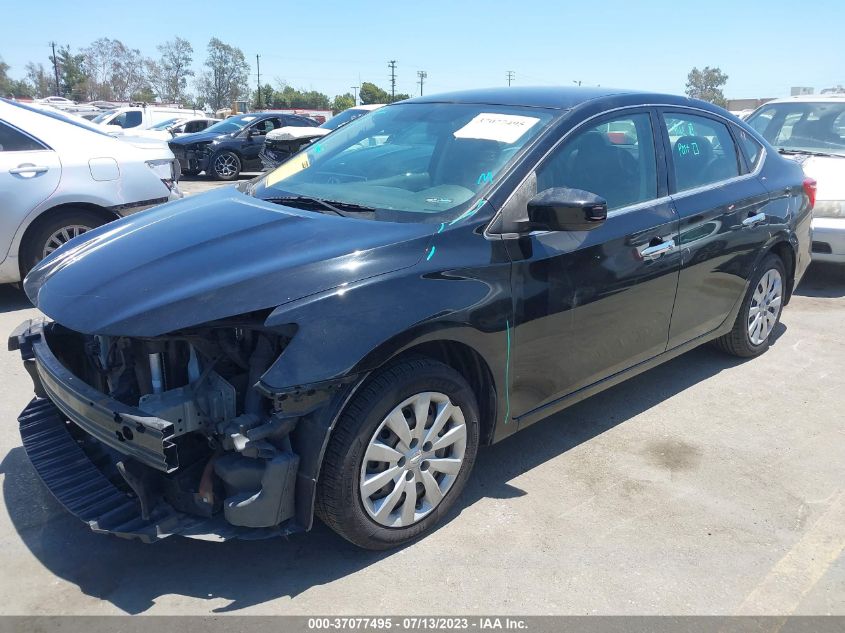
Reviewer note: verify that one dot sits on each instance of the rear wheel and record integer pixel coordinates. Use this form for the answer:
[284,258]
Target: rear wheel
[53,232]
[225,166]
[760,312]
[400,455]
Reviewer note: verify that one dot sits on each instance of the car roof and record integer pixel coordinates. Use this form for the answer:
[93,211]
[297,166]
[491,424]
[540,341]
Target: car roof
[553,97]
[826,98]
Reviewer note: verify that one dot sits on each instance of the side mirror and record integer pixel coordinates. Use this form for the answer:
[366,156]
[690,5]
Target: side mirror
[564,209]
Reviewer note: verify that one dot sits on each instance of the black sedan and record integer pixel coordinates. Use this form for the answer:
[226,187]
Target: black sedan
[229,147]
[339,336]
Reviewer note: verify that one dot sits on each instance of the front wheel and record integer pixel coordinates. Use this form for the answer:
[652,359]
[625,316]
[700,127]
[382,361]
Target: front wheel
[760,312]
[400,454]
[53,232]
[225,166]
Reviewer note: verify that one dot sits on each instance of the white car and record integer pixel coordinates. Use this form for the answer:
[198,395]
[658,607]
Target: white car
[173,127]
[56,101]
[61,176]
[811,129]
[136,118]
[282,143]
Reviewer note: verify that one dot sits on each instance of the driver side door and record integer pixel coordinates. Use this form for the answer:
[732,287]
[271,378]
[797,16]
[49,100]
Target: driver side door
[254,141]
[590,304]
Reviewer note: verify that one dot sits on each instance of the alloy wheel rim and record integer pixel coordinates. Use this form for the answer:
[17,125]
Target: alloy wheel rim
[413,459]
[62,237]
[225,165]
[765,307]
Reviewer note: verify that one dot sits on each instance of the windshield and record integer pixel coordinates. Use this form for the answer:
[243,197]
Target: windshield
[165,124]
[803,126]
[102,116]
[414,162]
[343,118]
[232,124]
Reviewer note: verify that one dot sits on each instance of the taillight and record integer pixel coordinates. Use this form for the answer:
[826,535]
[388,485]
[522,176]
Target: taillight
[810,190]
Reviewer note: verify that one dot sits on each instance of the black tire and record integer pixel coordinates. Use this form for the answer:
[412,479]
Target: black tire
[738,341]
[217,173]
[32,250]
[339,503]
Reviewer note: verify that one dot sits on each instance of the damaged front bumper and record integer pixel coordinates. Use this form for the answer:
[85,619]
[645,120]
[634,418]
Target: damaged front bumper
[117,467]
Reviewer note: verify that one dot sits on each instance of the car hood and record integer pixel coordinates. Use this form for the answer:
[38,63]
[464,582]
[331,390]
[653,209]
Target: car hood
[208,257]
[199,137]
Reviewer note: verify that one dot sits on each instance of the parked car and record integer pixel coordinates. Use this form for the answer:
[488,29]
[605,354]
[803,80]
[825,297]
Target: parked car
[57,102]
[61,176]
[281,144]
[176,126]
[136,118]
[340,335]
[811,130]
[227,148]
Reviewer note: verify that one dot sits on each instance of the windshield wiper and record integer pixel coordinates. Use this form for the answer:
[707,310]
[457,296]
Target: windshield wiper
[305,202]
[808,152]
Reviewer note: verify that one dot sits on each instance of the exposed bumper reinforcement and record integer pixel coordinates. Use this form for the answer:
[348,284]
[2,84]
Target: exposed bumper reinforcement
[87,493]
[128,430]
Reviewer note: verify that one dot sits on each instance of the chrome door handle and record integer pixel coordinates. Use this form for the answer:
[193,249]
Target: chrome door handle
[754,220]
[653,252]
[28,169]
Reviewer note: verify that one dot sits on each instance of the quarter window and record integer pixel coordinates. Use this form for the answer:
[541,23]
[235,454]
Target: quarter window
[750,147]
[11,140]
[703,151]
[614,160]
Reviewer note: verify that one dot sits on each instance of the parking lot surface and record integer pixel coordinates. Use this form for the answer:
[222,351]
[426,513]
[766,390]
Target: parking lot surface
[708,485]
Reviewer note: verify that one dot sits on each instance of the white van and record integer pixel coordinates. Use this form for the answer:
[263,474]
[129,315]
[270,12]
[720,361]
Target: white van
[61,176]
[139,117]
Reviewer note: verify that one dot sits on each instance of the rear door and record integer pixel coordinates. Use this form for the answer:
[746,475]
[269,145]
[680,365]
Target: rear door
[723,223]
[589,304]
[29,173]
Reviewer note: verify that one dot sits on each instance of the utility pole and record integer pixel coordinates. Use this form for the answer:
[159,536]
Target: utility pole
[422,75]
[355,89]
[511,76]
[55,67]
[258,69]
[392,65]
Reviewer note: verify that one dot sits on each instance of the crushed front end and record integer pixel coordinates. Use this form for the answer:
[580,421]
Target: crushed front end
[148,437]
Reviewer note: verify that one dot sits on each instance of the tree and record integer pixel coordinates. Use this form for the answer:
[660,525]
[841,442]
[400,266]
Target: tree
[169,75]
[371,93]
[266,100]
[130,72]
[401,96]
[343,102]
[72,76]
[707,85]
[4,79]
[226,77]
[41,82]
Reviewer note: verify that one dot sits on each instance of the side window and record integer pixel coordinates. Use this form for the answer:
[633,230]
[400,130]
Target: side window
[703,151]
[133,119]
[11,140]
[750,147]
[614,160]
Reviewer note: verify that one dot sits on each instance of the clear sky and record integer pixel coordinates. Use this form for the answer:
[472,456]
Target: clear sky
[764,46]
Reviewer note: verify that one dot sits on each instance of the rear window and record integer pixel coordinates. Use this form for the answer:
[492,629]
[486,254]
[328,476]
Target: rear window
[803,126]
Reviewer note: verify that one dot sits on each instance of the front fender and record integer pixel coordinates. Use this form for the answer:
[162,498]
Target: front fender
[345,333]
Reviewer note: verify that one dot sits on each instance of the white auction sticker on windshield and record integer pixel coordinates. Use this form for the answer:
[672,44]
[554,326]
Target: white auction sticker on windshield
[491,126]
